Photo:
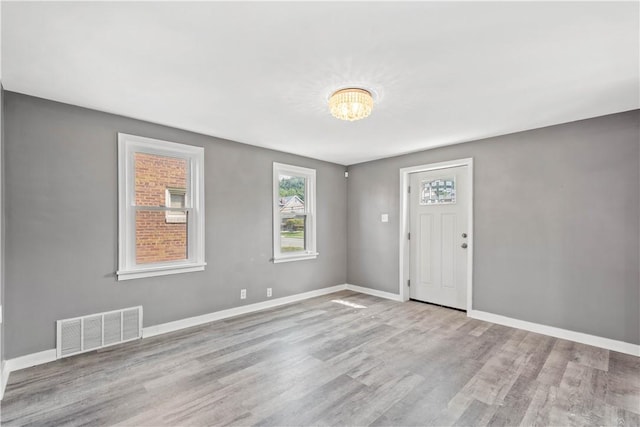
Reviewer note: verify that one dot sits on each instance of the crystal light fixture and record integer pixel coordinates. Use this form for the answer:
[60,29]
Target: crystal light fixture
[351,104]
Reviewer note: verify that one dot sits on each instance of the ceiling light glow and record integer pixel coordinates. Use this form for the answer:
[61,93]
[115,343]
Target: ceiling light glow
[351,104]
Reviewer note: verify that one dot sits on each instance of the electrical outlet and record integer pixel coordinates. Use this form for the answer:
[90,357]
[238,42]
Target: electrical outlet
[243,294]
[269,293]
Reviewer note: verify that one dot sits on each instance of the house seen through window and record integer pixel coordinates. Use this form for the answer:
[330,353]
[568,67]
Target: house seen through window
[294,213]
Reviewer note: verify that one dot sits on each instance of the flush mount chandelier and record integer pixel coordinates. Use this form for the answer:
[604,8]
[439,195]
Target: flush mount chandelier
[351,104]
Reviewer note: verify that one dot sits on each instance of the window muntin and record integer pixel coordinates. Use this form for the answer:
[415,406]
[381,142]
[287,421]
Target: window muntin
[294,213]
[439,191]
[161,207]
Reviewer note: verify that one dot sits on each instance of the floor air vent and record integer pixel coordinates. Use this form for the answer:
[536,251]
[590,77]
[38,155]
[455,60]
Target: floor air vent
[99,330]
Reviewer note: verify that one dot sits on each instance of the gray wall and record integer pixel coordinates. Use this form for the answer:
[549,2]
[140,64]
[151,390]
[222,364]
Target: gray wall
[556,218]
[61,217]
[556,224]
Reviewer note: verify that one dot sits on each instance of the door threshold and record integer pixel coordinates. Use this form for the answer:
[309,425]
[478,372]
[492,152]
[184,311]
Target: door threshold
[439,305]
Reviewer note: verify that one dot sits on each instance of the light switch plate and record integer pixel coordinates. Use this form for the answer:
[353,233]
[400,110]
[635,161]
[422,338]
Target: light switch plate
[384,217]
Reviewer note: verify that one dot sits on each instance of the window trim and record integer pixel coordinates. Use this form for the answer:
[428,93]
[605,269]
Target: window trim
[310,211]
[127,267]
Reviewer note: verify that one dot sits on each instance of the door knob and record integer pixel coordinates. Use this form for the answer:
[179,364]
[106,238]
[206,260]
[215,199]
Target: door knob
[463,246]
[464,235]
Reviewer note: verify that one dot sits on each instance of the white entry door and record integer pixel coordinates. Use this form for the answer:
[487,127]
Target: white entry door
[439,212]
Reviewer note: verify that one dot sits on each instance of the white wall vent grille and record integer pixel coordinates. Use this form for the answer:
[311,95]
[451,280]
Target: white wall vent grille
[98,330]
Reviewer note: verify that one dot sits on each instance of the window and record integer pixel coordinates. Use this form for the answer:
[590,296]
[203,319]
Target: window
[294,222]
[161,207]
[438,192]
[175,198]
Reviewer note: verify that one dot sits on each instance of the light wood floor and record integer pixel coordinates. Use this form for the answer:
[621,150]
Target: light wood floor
[320,362]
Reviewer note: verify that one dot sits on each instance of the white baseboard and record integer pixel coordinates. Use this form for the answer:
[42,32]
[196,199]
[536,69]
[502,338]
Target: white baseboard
[606,343]
[374,292]
[29,360]
[164,328]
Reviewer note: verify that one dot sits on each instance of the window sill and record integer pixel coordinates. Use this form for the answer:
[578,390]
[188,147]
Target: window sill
[301,257]
[159,271]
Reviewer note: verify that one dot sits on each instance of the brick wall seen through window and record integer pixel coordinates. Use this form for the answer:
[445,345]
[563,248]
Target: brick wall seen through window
[158,238]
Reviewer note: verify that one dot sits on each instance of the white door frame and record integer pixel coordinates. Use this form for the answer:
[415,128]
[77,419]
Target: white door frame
[404,223]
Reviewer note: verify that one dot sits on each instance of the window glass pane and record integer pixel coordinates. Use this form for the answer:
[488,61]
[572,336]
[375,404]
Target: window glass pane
[176,200]
[155,175]
[294,224]
[158,239]
[292,194]
[292,232]
[439,191]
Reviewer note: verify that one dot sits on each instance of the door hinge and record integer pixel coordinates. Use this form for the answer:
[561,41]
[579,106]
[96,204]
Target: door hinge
[408,236]
[409,283]
[409,189]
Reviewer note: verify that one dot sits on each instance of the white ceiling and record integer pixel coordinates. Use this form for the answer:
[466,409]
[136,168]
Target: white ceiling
[260,73]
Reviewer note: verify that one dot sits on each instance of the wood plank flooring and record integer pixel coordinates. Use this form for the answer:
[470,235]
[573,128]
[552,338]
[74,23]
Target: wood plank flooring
[321,362]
